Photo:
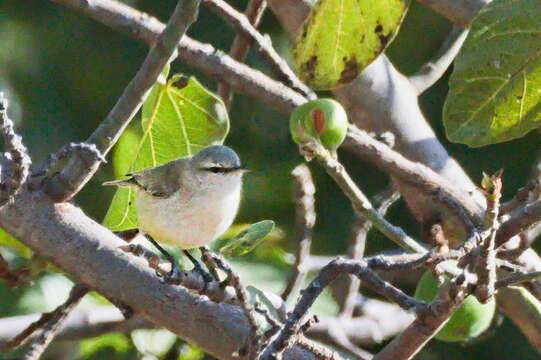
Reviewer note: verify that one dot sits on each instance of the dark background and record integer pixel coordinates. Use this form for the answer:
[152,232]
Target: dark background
[63,72]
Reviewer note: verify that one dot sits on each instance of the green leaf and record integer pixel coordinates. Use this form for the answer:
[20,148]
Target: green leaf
[10,242]
[248,239]
[342,37]
[494,91]
[108,346]
[179,118]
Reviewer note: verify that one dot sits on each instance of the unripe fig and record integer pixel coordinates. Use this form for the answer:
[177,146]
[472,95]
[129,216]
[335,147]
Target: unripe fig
[470,320]
[323,120]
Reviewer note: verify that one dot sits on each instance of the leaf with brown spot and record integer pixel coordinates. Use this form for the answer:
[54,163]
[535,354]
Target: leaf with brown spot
[342,37]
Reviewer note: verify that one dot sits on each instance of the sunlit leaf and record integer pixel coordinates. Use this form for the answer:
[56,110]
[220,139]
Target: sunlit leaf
[494,91]
[248,239]
[341,37]
[9,241]
[179,118]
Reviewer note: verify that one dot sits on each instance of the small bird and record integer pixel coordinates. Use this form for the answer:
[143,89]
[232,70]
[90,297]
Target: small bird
[187,202]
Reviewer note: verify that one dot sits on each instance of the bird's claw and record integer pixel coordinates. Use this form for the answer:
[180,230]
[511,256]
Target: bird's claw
[173,275]
[207,277]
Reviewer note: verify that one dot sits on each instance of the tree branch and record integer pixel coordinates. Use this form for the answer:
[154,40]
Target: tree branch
[434,69]
[359,201]
[241,44]
[203,57]
[16,156]
[263,46]
[73,177]
[91,254]
[57,318]
[360,231]
[518,221]
[50,323]
[81,323]
[287,336]
[412,340]
[305,219]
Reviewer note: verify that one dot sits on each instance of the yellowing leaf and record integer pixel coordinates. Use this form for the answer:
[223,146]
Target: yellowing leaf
[495,88]
[179,118]
[341,37]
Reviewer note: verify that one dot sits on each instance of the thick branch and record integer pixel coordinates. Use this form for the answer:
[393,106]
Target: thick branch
[90,253]
[434,69]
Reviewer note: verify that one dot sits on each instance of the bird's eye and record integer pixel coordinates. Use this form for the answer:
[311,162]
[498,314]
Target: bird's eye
[216,169]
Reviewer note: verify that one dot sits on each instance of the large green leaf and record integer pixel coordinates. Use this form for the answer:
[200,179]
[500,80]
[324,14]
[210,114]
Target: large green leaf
[341,37]
[179,118]
[494,93]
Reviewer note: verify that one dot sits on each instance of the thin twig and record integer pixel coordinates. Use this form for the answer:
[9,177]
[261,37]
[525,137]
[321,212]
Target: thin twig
[73,177]
[486,266]
[434,69]
[17,156]
[51,328]
[241,45]
[305,219]
[254,340]
[204,57]
[49,323]
[360,231]
[327,275]
[417,175]
[518,221]
[263,45]
[531,191]
[517,279]
[358,199]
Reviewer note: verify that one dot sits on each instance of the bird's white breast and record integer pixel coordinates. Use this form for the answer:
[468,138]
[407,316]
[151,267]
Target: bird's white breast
[188,219]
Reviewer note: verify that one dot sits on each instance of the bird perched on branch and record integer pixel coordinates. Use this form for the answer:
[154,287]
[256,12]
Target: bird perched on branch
[187,202]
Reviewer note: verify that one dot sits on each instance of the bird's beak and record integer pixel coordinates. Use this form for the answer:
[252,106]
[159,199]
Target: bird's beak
[243,169]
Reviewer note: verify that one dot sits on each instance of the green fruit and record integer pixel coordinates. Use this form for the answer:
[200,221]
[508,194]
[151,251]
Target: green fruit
[323,120]
[469,321]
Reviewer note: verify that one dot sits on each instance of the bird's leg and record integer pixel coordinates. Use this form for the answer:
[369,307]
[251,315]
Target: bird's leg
[209,262]
[198,268]
[174,273]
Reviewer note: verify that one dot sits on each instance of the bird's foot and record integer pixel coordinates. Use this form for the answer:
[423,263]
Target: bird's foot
[173,275]
[207,277]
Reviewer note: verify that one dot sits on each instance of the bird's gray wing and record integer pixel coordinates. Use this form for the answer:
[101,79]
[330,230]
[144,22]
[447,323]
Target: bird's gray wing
[161,181]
